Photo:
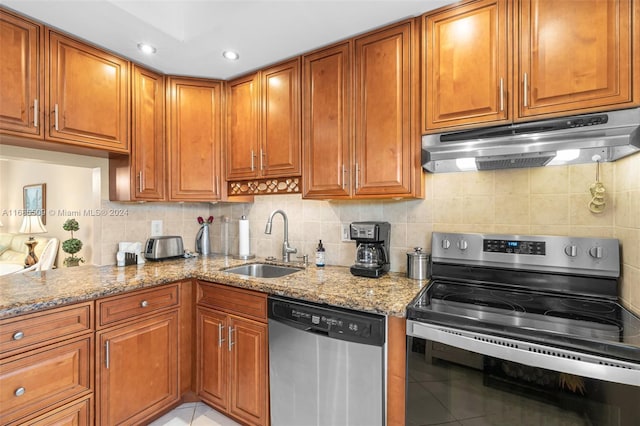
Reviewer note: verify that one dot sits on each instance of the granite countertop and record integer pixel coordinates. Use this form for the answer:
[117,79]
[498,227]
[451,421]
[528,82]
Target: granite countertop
[334,285]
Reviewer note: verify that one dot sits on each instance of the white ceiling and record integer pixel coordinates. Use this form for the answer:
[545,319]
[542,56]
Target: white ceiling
[190,35]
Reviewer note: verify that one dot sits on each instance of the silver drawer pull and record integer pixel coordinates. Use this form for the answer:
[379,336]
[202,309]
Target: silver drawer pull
[230,338]
[35,113]
[55,117]
[144,304]
[18,335]
[220,338]
[20,391]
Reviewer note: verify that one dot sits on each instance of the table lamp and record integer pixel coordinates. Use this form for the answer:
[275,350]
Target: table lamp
[31,225]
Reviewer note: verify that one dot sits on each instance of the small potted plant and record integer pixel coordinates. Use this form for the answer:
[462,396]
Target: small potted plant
[72,245]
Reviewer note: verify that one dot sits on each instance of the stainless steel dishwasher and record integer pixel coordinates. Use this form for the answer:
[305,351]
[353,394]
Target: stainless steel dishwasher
[326,365]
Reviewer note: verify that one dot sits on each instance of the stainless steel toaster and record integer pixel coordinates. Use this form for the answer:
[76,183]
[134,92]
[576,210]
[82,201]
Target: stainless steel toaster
[164,247]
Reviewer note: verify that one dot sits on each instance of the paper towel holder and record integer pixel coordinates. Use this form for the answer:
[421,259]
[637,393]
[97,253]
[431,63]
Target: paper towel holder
[243,256]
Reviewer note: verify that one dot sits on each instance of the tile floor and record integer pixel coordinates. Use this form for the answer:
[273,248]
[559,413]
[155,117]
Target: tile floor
[193,413]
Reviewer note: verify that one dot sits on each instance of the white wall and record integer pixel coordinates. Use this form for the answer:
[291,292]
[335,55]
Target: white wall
[70,192]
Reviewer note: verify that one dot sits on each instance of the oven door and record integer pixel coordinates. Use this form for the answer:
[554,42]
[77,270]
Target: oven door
[450,384]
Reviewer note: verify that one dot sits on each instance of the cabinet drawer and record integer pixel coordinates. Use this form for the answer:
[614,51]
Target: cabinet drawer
[74,414]
[247,303]
[44,378]
[131,305]
[49,326]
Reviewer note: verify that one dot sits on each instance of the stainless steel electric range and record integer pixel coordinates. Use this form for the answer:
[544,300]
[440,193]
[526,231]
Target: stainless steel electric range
[535,302]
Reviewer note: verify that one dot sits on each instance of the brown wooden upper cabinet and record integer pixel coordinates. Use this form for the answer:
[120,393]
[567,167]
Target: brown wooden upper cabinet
[565,60]
[326,122]
[194,120]
[88,95]
[147,151]
[466,72]
[21,78]
[263,124]
[360,117]
[67,92]
[141,175]
[574,59]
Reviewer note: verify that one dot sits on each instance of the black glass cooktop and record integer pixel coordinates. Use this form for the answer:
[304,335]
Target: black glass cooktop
[595,325]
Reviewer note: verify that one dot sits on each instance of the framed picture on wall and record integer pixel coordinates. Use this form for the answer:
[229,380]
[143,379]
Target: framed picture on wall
[35,200]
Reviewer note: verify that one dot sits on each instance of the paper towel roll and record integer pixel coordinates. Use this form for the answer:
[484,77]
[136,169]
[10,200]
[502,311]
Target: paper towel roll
[243,237]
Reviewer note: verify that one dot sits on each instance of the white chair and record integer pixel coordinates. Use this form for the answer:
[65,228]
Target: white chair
[47,257]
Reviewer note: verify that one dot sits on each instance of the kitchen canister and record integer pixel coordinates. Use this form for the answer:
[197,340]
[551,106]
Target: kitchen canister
[418,264]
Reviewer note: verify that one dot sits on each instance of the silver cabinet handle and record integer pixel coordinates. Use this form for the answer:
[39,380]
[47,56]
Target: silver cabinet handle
[20,391]
[140,180]
[106,354]
[344,177]
[526,90]
[35,113]
[218,185]
[357,173]
[144,304]
[55,116]
[501,94]
[230,341]
[262,155]
[18,335]
[253,156]
[220,338]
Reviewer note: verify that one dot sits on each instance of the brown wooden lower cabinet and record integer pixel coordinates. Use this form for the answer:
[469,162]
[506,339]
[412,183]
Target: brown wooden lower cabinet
[137,369]
[145,345]
[232,354]
[44,379]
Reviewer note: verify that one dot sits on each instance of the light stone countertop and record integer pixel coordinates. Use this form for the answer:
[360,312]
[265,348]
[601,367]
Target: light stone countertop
[333,285]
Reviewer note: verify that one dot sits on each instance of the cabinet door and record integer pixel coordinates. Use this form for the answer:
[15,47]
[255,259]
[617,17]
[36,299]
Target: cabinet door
[194,139]
[326,83]
[147,151]
[21,90]
[243,96]
[138,370]
[466,77]
[249,370]
[384,133]
[280,121]
[213,357]
[88,93]
[574,57]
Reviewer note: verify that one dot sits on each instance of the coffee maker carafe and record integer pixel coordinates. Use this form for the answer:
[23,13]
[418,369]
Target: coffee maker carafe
[372,252]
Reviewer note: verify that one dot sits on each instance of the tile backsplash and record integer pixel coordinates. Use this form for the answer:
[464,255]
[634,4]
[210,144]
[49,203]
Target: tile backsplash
[549,201]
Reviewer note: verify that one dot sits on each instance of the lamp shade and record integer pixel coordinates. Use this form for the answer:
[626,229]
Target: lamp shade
[32,225]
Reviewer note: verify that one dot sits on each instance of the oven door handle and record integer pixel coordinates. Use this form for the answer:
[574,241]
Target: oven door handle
[533,354]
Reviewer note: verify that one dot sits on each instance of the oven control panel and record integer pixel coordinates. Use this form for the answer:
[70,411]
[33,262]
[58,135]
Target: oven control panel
[571,255]
[514,246]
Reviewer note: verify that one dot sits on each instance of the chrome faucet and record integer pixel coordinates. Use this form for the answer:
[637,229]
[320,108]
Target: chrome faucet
[286,249]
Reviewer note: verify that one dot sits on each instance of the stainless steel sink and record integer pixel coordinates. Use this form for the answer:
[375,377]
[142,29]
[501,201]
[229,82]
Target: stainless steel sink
[263,270]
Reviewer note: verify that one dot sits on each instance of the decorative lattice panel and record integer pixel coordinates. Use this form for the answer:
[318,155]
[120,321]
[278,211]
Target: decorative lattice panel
[289,185]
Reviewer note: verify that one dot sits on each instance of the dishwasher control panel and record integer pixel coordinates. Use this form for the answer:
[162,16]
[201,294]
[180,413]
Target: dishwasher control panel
[337,324]
[331,321]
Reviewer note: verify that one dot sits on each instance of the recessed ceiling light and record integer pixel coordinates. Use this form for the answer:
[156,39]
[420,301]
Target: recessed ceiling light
[231,55]
[146,48]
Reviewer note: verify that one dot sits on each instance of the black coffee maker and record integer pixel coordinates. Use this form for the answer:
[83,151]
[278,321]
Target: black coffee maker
[372,253]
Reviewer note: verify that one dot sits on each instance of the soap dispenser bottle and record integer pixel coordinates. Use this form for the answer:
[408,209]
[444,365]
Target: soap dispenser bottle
[320,253]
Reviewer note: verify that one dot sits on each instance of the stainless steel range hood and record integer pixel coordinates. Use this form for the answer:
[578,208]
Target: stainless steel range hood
[585,138]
